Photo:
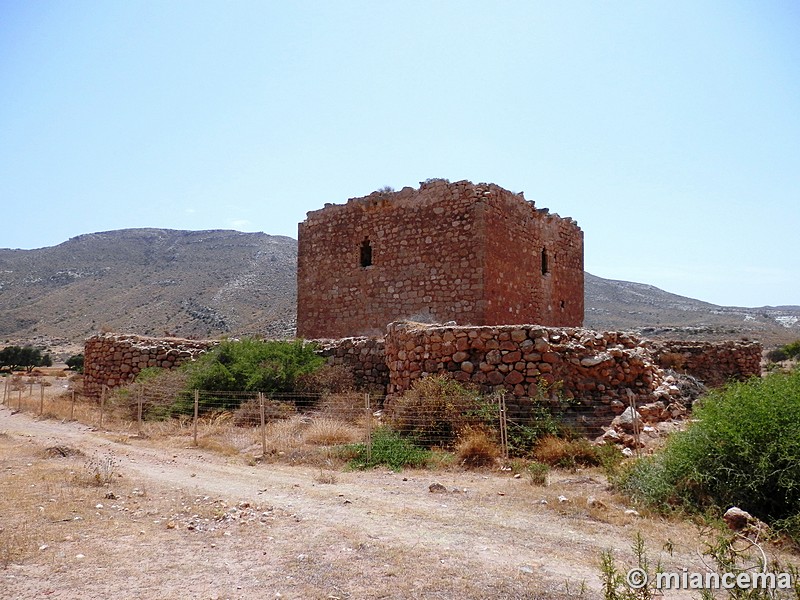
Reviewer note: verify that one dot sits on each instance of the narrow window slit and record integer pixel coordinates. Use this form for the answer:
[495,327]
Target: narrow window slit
[366,253]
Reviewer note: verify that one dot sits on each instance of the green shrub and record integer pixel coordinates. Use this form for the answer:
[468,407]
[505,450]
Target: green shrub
[777,355]
[250,365]
[743,450]
[537,473]
[254,365]
[389,448]
[792,350]
[524,436]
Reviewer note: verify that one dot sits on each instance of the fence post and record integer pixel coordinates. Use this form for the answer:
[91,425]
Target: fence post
[30,389]
[41,398]
[5,389]
[632,403]
[196,413]
[263,424]
[72,407]
[501,405]
[368,416]
[139,402]
[19,408]
[102,404]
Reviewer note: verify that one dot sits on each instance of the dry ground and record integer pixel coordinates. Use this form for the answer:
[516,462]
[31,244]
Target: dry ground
[123,517]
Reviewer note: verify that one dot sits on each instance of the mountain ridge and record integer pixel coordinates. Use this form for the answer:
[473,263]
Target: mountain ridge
[216,282]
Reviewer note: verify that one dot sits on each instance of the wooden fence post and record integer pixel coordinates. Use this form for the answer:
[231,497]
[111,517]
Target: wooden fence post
[72,407]
[196,413]
[139,402]
[5,389]
[634,415]
[501,405]
[368,416]
[263,424]
[102,404]
[41,398]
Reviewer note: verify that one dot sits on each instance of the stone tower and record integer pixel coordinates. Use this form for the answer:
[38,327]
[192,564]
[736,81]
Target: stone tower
[473,254]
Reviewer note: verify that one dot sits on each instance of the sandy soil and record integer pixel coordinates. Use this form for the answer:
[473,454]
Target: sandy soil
[178,522]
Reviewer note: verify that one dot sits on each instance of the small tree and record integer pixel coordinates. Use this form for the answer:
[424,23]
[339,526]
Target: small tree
[75,363]
[15,358]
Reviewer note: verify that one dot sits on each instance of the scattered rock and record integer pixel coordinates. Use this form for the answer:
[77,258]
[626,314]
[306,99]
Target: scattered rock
[743,522]
[437,488]
[61,452]
[627,421]
[592,502]
[736,518]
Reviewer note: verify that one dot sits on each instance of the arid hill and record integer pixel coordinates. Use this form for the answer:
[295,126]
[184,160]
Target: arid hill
[211,283]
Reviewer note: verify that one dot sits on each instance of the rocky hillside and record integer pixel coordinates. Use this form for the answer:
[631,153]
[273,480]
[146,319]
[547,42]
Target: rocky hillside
[210,283]
[614,305]
[150,281]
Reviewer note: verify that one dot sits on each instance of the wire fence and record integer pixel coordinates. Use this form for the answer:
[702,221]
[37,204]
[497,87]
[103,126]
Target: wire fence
[292,425]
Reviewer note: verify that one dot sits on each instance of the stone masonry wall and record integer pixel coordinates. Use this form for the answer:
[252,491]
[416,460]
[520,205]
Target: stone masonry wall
[363,356]
[714,363]
[115,359]
[470,253]
[601,370]
[599,373]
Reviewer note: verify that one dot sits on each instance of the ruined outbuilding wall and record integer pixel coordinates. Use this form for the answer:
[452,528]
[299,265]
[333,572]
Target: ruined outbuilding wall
[603,370]
[115,359]
[363,356]
[598,372]
[473,254]
[714,363]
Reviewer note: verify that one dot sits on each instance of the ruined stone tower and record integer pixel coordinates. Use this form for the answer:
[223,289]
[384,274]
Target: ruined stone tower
[473,254]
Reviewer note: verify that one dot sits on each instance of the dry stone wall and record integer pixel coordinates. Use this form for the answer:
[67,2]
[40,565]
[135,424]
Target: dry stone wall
[115,359]
[598,374]
[714,363]
[363,356]
[602,370]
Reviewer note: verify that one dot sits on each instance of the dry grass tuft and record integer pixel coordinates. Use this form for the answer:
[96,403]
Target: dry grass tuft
[330,432]
[559,452]
[97,471]
[476,448]
[326,477]
[344,407]
[249,413]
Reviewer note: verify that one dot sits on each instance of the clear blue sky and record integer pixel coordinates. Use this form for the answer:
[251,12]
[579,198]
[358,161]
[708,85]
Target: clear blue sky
[669,130]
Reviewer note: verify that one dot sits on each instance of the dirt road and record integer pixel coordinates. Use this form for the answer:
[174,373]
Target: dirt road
[178,522]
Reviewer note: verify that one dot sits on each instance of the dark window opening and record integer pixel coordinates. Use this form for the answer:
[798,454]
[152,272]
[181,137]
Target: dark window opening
[563,304]
[366,253]
[545,262]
